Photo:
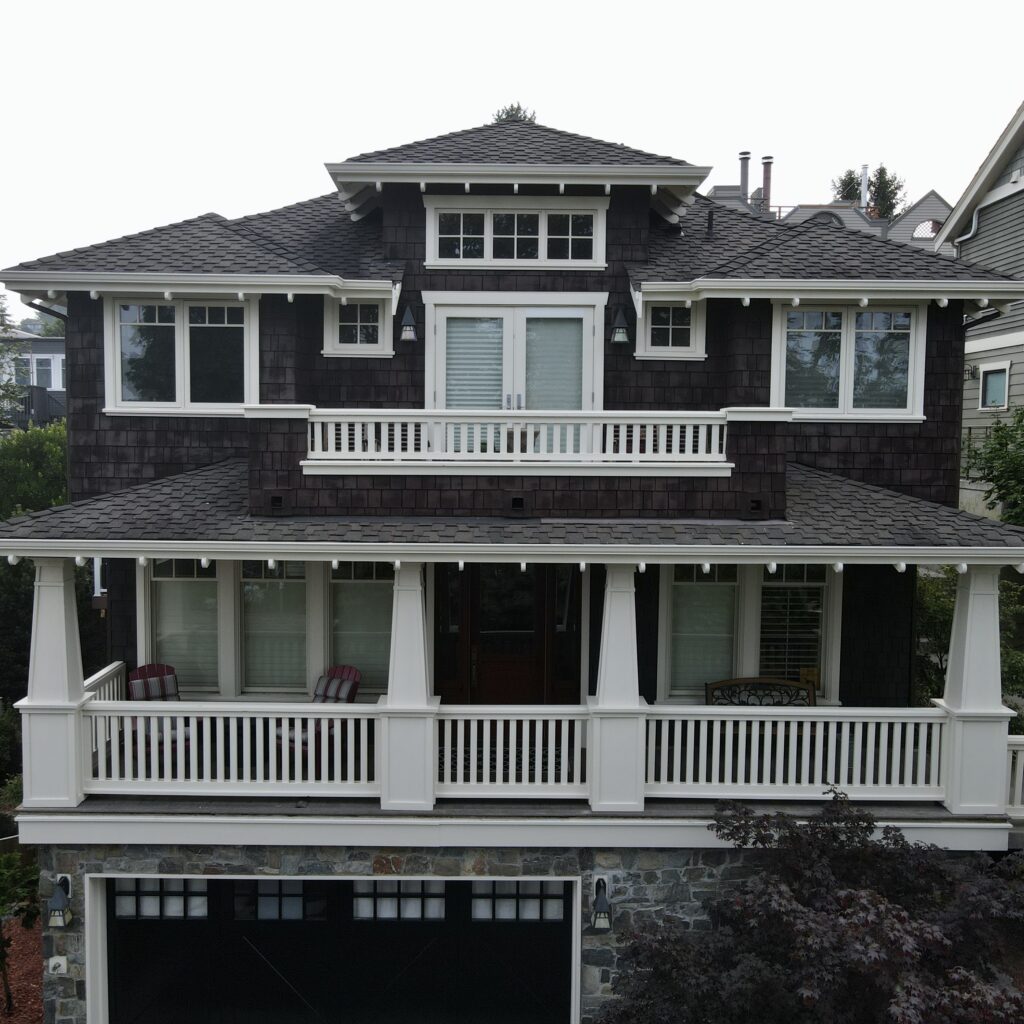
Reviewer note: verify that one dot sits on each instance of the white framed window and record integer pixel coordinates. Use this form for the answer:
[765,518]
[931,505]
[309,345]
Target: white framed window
[181,356]
[736,621]
[362,595]
[273,626]
[671,330]
[994,386]
[358,328]
[45,371]
[516,231]
[849,362]
[184,620]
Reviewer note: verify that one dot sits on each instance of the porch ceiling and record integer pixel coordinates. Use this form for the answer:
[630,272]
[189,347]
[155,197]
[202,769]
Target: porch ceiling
[205,513]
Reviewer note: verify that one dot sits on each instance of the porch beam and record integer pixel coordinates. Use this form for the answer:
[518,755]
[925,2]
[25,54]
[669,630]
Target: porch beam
[977,728]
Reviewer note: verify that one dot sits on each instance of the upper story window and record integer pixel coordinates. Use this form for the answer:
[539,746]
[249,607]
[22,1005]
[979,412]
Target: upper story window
[671,330]
[846,361]
[519,231]
[994,386]
[357,328]
[181,356]
[40,371]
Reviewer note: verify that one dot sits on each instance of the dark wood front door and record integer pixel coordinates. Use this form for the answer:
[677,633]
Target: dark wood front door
[507,636]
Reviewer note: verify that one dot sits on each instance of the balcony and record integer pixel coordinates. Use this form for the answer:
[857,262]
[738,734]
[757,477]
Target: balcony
[532,443]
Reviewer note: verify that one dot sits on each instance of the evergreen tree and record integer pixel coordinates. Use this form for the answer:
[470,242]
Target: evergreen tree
[514,112]
[847,186]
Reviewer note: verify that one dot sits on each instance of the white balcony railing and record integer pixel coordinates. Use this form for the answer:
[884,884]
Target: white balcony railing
[1015,775]
[607,442]
[107,684]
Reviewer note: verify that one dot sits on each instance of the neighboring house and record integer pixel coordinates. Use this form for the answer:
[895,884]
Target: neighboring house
[987,228]
[917,225]
[486,424]
[38,364]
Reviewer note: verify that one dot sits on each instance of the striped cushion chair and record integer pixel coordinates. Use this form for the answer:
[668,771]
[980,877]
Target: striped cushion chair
[153,682]
[338,685]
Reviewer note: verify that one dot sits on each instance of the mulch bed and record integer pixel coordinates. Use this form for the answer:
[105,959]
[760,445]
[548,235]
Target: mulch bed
[26,972]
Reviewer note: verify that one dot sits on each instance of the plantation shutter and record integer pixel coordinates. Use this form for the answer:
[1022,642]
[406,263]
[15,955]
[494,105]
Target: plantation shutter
[473,362]
[554,363]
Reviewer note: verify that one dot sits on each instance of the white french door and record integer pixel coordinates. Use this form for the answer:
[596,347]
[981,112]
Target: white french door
[494,357]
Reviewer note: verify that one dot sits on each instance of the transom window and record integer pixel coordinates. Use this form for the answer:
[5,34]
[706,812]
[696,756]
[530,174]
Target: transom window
[519,901]
[516,231]
[183,354]
[392,899]
[160,898]
[849,361]
[993,390]
[273,900]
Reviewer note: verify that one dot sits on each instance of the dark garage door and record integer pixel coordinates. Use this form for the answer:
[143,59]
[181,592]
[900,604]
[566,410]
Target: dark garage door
[375,951]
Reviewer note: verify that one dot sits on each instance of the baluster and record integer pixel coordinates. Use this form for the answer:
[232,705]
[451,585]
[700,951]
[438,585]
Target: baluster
[793,761]
[819,734]
[779,739]
[716,726]
[702,755]
[153,740]
[232,726]
[261,765]
[740,776]
[884,735]
[460,741]
[663,760]
[548,726]
[364,751]
[579,725]
[653,727]
[488,729]
[563,750]
[165,723]
[514,752]
[473,774]
[499,760]
[277,740]
[247,727]
[350,753]
[932,732]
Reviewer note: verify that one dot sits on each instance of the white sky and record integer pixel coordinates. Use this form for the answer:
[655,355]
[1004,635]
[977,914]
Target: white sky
[123,116]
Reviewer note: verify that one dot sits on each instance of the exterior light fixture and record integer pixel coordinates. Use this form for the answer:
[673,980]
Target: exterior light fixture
[408,325]
[620,331]
[601,918]
[59,906]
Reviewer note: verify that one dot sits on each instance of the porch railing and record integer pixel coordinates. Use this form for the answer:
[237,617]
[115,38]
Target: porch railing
[503,752]
[496,437]
[108,683]
[198,748]
[784,753]
[1015,775]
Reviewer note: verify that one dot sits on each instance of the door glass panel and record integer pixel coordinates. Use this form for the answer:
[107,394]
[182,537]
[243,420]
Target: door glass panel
[473,362]
[554,363]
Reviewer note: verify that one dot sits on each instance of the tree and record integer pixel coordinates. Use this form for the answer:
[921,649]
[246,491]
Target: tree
[840,925]
[885,191]
[999,460]
[514,112]
[10,350]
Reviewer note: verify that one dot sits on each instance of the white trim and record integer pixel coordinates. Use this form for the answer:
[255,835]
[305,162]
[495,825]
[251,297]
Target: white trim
[997,195]
[97,998]
[845,412]
[332,467]
[395,830]
[595,206]
[1002,366]
[996,289]
[994,343]
[182,404]
[698,330]
[385,347]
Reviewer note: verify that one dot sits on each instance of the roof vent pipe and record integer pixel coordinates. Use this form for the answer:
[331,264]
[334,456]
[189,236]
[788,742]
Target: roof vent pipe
[863,186]
[766,187]
[745,175]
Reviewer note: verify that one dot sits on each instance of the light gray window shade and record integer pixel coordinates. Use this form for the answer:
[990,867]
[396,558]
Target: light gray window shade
[473,362]
[274,626]
[554,363]
[185,629]
[703,627]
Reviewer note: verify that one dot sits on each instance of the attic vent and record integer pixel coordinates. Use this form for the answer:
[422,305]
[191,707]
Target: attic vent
[927,229]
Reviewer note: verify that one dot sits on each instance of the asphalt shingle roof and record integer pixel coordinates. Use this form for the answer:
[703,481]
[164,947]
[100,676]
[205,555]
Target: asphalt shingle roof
[211,505]
[514,142]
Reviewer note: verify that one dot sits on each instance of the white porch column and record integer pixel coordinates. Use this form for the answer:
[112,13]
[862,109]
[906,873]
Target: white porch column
[408,761]
[617,721]
[53,748]
[975,741]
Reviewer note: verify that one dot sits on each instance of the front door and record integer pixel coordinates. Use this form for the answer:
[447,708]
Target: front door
[503,635]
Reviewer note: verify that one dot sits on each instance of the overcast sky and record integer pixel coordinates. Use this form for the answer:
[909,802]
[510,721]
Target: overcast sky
[123,116]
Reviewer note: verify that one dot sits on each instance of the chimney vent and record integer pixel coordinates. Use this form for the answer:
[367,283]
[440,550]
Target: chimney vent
[766,187]
[745,174]
[863,186]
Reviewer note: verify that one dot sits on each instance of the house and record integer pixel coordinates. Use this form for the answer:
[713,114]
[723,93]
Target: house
[36,363]
[987,228]
[543,442]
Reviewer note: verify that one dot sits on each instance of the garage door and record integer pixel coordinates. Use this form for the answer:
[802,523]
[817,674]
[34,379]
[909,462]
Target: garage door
[375,951]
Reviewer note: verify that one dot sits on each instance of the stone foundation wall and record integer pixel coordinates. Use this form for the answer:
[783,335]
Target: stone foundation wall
[644,886]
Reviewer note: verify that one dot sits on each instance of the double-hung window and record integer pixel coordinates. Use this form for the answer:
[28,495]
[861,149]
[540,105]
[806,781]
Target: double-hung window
[362,594]
[516,231]
[833,362]
[181,355]
[273,612]
[184,619]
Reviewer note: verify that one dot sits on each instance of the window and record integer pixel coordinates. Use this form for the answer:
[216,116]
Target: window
[792,622]
[362,594]
[22,371]
[849,361]
[160,898]
[357,328]
[62,381]
[927,229]
[703,626]
[537,231]
[671,330]
[274,626]
[44,372]
[181,355]
[392,899]
[519,901]
[993,390]
[184,619]
[272,900]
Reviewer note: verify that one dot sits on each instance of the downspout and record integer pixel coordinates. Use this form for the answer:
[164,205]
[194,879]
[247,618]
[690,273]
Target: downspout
[39,308]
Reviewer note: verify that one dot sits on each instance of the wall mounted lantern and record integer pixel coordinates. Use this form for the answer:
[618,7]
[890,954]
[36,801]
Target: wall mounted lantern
[59,906]
[601,919]
[620,330]
[408,325]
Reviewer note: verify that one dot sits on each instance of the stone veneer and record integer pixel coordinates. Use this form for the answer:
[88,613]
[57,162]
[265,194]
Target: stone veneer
[645,886]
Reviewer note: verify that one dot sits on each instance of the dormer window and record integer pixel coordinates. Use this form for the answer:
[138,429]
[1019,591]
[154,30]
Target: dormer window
[516,231]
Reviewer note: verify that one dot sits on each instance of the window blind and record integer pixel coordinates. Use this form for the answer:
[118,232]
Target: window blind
[554,363]
[473,362]
[791,630]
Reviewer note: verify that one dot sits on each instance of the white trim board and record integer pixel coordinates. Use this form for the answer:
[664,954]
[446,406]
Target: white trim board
[993,343]
[364,467]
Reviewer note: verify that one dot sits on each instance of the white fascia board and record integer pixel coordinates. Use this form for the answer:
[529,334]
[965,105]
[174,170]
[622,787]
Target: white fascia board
[352,176]
[278,412]
[454,298]
[1011,137]
[81,827]
[39,282]
[612,554]
[884,291]
[453,467]
[993,343]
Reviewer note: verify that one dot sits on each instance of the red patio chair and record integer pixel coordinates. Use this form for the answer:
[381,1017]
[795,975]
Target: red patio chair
[153,682]
[338,685]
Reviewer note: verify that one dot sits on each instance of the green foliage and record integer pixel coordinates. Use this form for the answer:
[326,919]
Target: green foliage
[11,794]
[33,469]
[514,112]
[19,898]
[885,191]
[9,352]
[10,741]
[43,326]
[838,925]
[999,460]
